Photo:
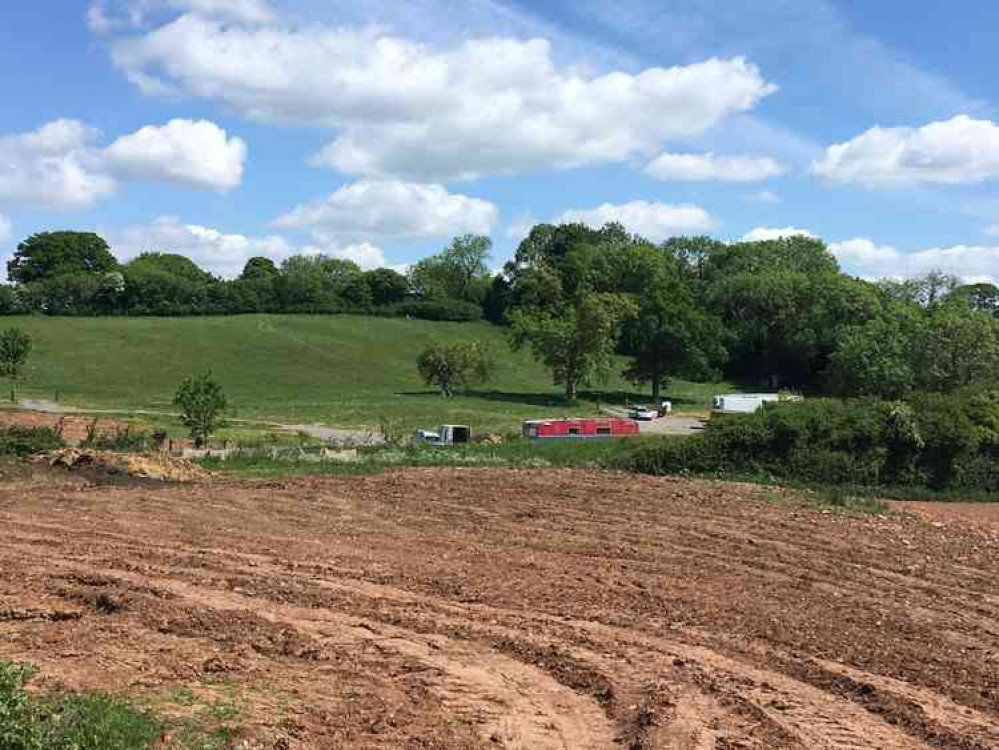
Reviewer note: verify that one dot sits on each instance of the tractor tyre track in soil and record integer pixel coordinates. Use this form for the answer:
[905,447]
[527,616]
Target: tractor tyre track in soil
[457,609]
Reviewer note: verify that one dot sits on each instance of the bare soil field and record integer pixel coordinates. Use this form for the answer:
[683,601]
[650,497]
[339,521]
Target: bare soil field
[72,427]
[451,609]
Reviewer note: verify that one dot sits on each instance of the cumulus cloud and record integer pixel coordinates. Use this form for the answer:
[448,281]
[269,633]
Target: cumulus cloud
[521,226]
[391,208]
[655,221]
[221,253]
[864,257]
[364,254]
[708,167]
[56,166]
[992,230]
[959,150]
[107,16]
[193,153]
[771,233]
[60,166]
[404,110]
[6,230]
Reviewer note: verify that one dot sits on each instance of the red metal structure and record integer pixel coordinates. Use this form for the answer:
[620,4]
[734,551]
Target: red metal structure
[588,428]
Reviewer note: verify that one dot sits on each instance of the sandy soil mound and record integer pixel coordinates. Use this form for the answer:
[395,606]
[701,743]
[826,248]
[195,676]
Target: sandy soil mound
[155,466]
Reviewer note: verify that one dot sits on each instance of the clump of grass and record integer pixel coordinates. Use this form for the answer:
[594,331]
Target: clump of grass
[68,722]
[90,721]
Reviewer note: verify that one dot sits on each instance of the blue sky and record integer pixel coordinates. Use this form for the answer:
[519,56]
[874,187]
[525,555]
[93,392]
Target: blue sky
[223,129]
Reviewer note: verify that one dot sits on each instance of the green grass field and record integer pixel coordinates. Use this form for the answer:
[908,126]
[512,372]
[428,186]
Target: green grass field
[348,371]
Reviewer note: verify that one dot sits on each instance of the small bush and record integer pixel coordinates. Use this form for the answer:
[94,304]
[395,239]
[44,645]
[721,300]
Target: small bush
[120,440]
[27,441]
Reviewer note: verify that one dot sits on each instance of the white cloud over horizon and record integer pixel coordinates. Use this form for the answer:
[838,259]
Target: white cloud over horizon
[60,166]
[196,153]
[867,259]
[221,253]
[405,110]
[708,167]
[961,150]
[655,221]
[6,229]
[760,234]
[392,208]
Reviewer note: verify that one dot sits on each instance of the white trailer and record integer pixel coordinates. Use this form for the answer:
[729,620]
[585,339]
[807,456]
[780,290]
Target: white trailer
[743,403]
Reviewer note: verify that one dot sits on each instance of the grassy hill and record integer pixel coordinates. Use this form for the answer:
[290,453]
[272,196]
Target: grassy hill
[339,370]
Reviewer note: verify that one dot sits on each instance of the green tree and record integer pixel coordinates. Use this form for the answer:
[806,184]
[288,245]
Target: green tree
[981,296]
[15,347]
[578,344]
[671,336]
[387,287]
[202,404]
[50,254]
[259,268]
[459,272]
[959,348]
[454,365]
[876,358]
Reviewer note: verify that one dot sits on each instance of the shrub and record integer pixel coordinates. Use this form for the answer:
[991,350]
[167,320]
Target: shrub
[202,404]
[27,441]
[937,441]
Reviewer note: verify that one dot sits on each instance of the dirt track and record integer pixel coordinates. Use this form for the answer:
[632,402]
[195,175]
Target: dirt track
[467,609]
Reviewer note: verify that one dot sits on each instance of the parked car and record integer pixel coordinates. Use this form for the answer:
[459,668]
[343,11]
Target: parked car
[644,413]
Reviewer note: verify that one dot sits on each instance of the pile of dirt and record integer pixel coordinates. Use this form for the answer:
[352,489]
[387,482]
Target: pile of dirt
[156,466]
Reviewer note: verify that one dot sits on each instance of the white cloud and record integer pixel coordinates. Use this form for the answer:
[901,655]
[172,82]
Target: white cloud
[6,230]
[364,254]
[992,230]
[521,226]
[106,16]
[56,166]
[708,167]
[870,260]
[402,109]
[389,208]
[761,234]
[60,166]
[247,11]
[194,153]
[221,253]
[959,150]
[655,221]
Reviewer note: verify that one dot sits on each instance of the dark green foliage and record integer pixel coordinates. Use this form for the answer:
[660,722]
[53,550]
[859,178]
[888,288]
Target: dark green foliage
[47,255]
[202,403]
[454,365]
[387,287]
[15,347]
[938,442]
[121,439]
[437,309]
[27,441]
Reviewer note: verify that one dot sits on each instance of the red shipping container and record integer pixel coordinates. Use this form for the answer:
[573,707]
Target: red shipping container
[587,428]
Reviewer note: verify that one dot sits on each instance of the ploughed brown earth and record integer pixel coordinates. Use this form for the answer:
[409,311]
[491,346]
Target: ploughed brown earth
[498,609]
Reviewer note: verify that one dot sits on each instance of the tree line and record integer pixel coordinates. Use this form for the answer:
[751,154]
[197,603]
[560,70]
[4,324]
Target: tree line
[777,313]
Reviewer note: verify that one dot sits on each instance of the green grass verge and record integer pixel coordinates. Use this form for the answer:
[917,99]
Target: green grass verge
[349,371]
[90,721]
[514,454]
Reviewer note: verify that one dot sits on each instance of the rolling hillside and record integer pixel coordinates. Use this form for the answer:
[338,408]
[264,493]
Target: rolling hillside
[339,370]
